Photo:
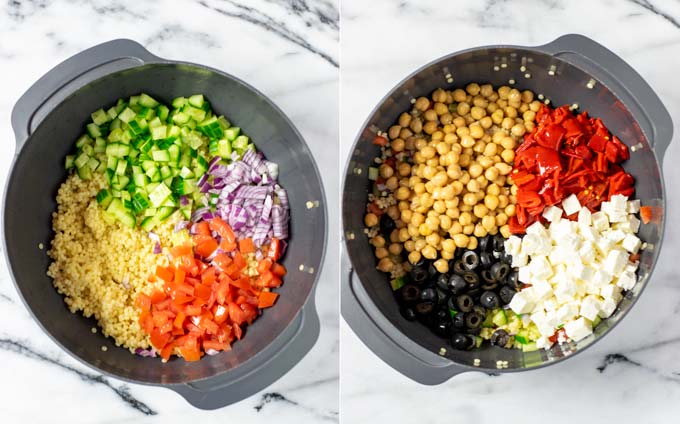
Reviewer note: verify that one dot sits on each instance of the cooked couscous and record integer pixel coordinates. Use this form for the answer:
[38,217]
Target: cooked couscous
[100,265]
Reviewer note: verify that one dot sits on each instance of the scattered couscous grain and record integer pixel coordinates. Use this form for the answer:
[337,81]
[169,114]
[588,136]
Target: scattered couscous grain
[99,265]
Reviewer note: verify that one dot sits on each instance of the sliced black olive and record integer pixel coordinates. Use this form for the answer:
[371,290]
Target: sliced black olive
[458,267]
[459,321]
[470,260]
[500,338]
[464,303]
[387,225]
[490,300]
[424,308]
[512,280]
[471,278]
[489,286]
[429,295]
[462,341]
[507,293]
[457,284]
[500,270]
[474,320]
[479,309]
[418,274]
[443,282]
[409,294]
[485,243]
[474,292]
[443,326]
[431,270]
[487,276]
[498,242]
[486,259]
[408,313]
[474,331]
[507,258]
[442,296]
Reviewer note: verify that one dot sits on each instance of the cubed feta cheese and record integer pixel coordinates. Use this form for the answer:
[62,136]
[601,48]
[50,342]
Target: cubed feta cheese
[633,206]
[571,205]
[550,304]
[552,213]
[590,307]
[611,291]
[601,278]
[581,272]
[615,235]
[617,217]
[560,229]
[600,221]
[522,303]
[619,202]
[604,246]
[530,243]
[631,243]
[578,329]
[607,308]
[540,268]
[632,267]
[580,288]
[542,289]
[626,280]
[520,260]
[513,245]
[570,242]
[589,233]
[585,217]
[633,223]
[615,261]
[559,256]
[524,274]
[543,343]
[587,252]
[567,312]
[537,229]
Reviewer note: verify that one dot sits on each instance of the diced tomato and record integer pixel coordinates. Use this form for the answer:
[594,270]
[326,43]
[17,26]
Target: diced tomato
[183,250]
[159,340]
[221,314]
[275,249]
[210,344]
[179,320]
[246,246]
[165,274]
[380,140]
[202,228]
[267,299]
[206,248]
[202,291]
[143,302]
[222,261]
[237,331]
[190,354]
[222,292]
[646,214]
[223,229]
[192,310]
[278,270]
[157,296]
[209,276]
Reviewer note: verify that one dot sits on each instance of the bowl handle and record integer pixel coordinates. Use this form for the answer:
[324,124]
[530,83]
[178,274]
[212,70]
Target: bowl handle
[384,339]
[259,371]
[69,76]
[623,80]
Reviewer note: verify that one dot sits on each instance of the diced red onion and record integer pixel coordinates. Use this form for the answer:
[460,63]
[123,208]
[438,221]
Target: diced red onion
[157,248]
[181,225]
[183,201]
[145,352]
[153,236]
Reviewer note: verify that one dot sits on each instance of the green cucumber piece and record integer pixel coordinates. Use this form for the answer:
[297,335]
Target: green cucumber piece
[159,195]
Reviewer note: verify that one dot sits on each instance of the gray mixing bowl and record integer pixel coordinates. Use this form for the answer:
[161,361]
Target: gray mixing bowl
[572,69]
[48,118]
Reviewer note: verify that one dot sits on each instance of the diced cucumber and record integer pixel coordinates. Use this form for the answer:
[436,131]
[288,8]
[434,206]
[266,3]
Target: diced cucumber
[117,149]
[165,171]
[240,143]
[161,156]
[164,212]
[159,194]
[139,203]
[149,223]
[185,172]
[212,128]
[397,283]
[529,347]
[197,115]
[196,100]
[69,161]
[93,163]
[500,318]
[372,173]
[100,117]
[159,133]
[112,113]
[81,160]
[127,115]
[83,140]
[231,133]
[115,135]
[179,102]
[104,197]
[180,118]
[120,168]
[147,101]
[84,172]
[99,145]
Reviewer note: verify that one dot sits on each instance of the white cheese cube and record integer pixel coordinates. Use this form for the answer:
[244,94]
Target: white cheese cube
[578,329]
[524,274]
[585,217]
[581,288]
[626,280]
[619,202]
[607,308]
[632,267]
[604,246]
[529,244]
[550,304]
[600,278]
[522,303]
[589,233]
[600,221]
[570,242]
[559,256]
[590,307]
[542,289]
[612,292]
[615,235]
[571,205]
[633,206]
[540,268]
[513,245]
[559,230]
[587,252]
[543,343]
[552,213]
[633,223]
[567,312]
[615,261]
[617,217]
[631,243]
[537,229]
[579,271]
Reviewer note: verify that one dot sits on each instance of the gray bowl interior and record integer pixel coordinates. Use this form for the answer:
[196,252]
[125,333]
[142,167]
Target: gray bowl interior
[558,81]
[38,172]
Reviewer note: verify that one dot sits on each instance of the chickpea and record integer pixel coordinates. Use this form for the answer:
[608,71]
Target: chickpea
[443,149]
[370,220]
[398,145]
[441,265]
[385,265]
[394,236]
[490,150]
[465,178]
[433,239]
[417,219]
[394,131]
[473,89]
[459,95]
[505,231]
[405,133]
[445,222]
[456,228]
[392,183]
[448,193]
[479,146]
[523,108]
[479,231]
[486,122]
[476,131]
[501,219]
[497,116]
[403,235]
[508,143]
[518,130]
[430,127]
[422,104]
[473,186]
[503,168]
[439,206]
[404,169]
[475,170]
[457,187]
[461,240]
[510,210]
[404,119]
[378,241]
[463,108]
[503,201]
[488,222]
[446,119]
[507,123]
[486,162]
[413,230]
[491,173]
[472,243]
[465,218]
[414,257]
[432,223]
[477,112]
[403,205]
[529,126]
[529,115]
[469,229]
[467,141]
[403,193]
[470,199]
[386,171]
[410,245]
[453,213]
[480,210]
[527,96]
[410,143]
[429,252]
[395,249]
[440,108]
[381,252]
[416,125]
[430,115]
[508,155]
[535,106]
[459,122]
[503,92]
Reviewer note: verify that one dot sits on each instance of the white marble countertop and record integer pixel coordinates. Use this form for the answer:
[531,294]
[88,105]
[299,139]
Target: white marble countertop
[633,375]
[287,49]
